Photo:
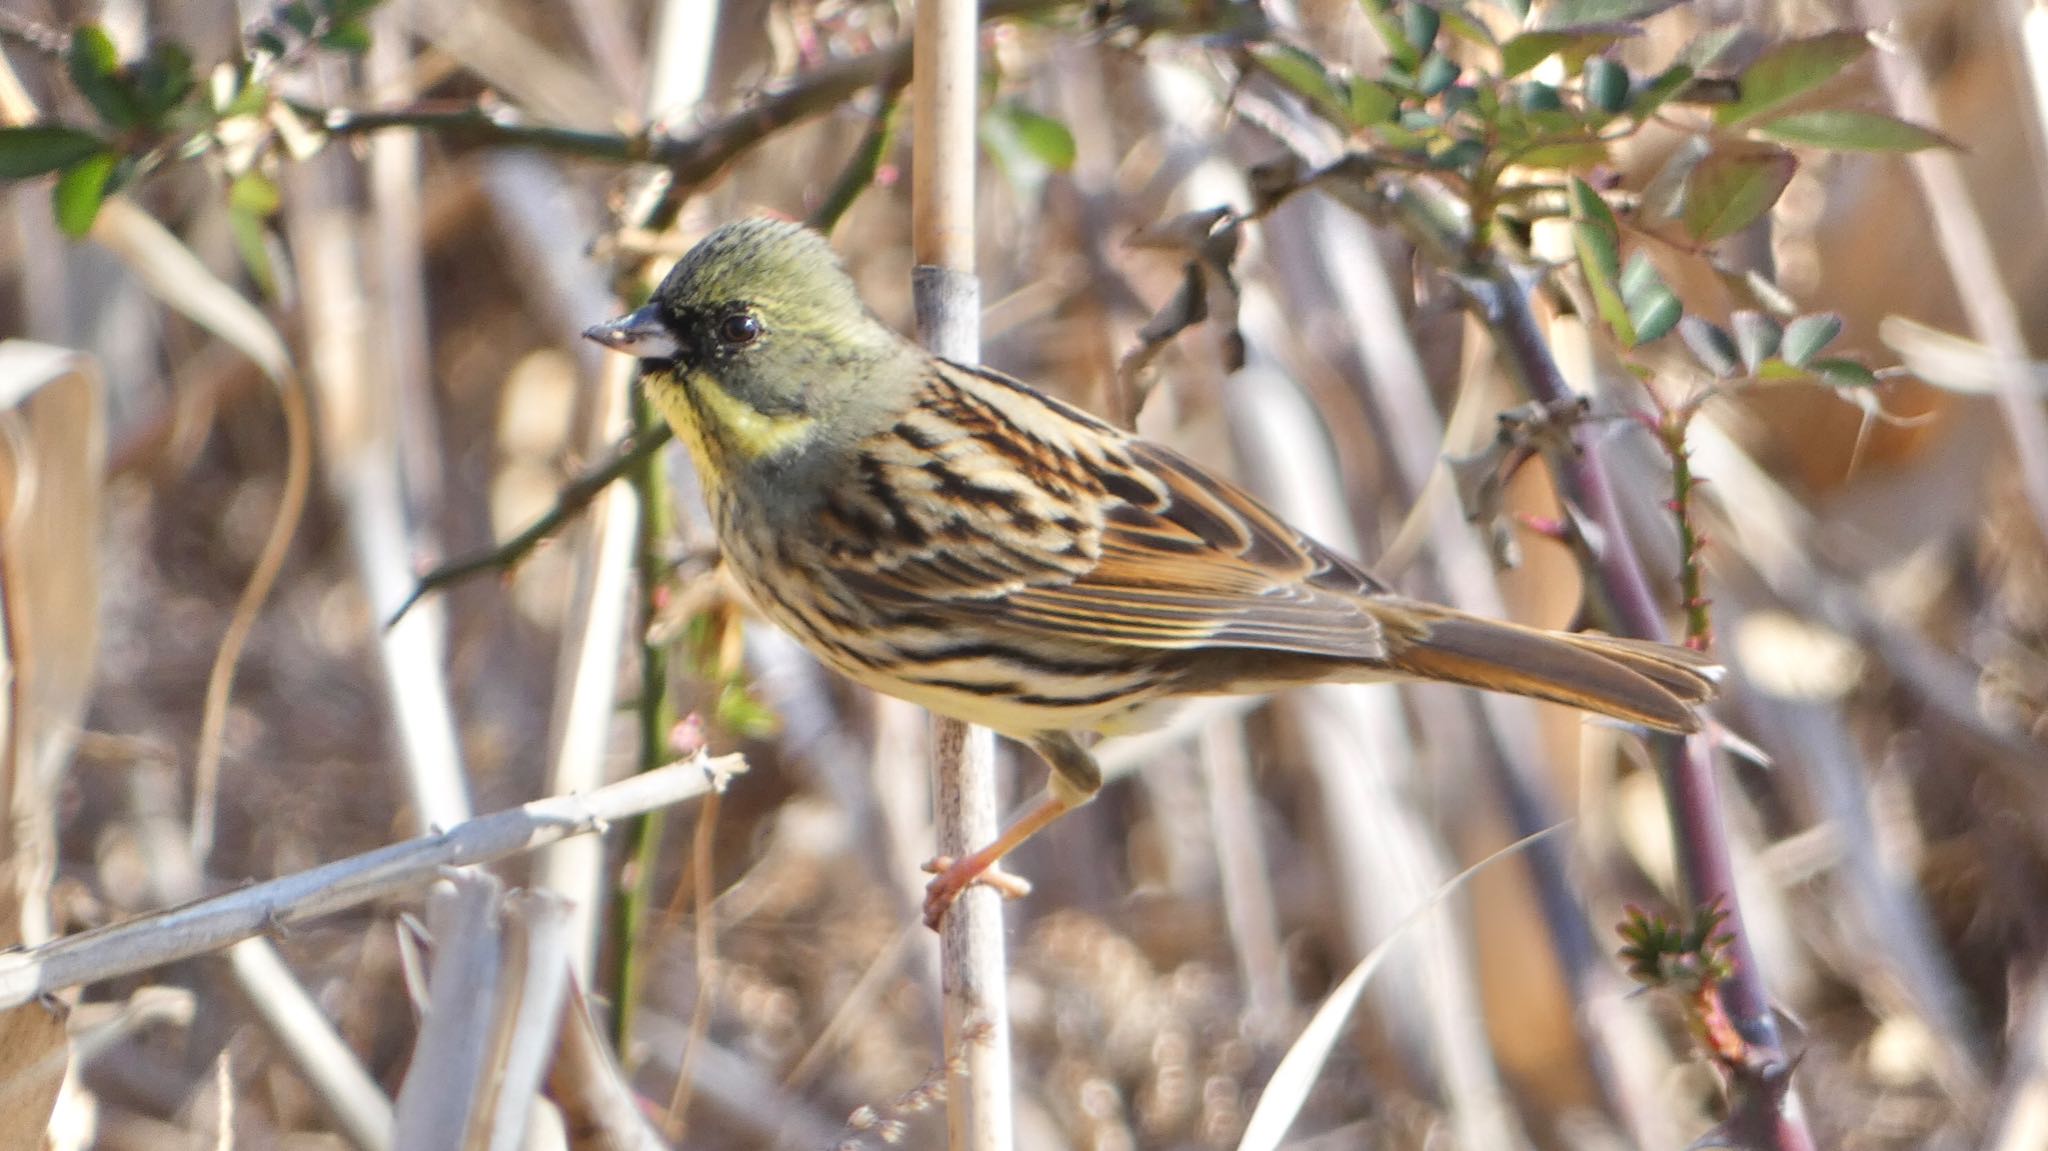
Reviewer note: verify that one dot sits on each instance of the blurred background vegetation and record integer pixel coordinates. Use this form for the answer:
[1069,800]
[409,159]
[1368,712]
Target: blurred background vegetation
[380,227]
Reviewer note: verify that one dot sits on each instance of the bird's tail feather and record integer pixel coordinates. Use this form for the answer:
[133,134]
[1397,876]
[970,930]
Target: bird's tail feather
[1653,684]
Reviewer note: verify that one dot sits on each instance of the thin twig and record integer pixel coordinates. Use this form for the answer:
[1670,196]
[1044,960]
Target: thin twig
[657,717]
[631,454]
[1762,1110]
[692,158]
[860,169]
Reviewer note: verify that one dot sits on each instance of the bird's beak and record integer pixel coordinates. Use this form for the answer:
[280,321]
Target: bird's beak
[639,334]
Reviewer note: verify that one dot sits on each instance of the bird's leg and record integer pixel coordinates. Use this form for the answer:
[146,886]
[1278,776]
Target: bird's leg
[1074,780]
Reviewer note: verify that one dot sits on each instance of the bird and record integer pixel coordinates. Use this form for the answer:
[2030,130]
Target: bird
[944,533]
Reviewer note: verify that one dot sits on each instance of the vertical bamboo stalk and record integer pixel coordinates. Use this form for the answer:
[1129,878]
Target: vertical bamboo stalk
[947,300]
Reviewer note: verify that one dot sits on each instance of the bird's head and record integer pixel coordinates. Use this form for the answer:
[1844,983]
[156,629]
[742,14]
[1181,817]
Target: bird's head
[758,338]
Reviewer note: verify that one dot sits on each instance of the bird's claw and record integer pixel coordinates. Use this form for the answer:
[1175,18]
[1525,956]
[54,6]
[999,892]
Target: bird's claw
[950,877]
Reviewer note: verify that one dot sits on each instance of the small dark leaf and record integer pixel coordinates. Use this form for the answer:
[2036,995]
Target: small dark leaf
[1712,346]
[38,148]
[1807,335]
[1438,73]
[1537,96]
[1606,84]
[1421,23]
[300,18]
[1653,310]
[1757,337]
[1462,157]
[1789,69]
[268,42]
[1733,187]
[80,191]
[1655,314]
[162,81]
[1850,130]
[95,70]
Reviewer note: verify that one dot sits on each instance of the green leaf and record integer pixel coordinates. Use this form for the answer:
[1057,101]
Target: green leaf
[1790,69]
[1659,91]
[38,148]
[1582,152]
[1529,49]
[249,230]
[1392,33]
[255,193]
[1303,74]
[1733,187]
[1851,130]
[743,715]
[351,36]
[1843,373]
[1711,345]
[1580,13]
[1807,335]
[95,71]
[1044,137]
[1370,102]
[1461,23]
[1640,277]
[1757,337]
[80,191]
[1598,240]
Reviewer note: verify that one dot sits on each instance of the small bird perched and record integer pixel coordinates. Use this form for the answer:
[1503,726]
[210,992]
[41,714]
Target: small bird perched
[948,535]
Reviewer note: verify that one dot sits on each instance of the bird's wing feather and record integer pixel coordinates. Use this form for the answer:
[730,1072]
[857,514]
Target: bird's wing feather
[1013,509]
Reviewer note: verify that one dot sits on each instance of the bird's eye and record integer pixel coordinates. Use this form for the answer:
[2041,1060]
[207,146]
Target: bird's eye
[739,329]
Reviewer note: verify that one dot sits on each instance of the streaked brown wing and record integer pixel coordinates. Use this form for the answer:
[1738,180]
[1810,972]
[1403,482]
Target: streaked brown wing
[1039,518]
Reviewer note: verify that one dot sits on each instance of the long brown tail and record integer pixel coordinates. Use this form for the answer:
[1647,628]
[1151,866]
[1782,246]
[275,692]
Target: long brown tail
[1653,684]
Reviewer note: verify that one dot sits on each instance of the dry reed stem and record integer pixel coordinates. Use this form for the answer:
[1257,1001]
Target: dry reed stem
[946,295]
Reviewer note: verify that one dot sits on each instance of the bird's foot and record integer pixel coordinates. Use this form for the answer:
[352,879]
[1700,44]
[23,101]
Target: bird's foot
[952,876]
